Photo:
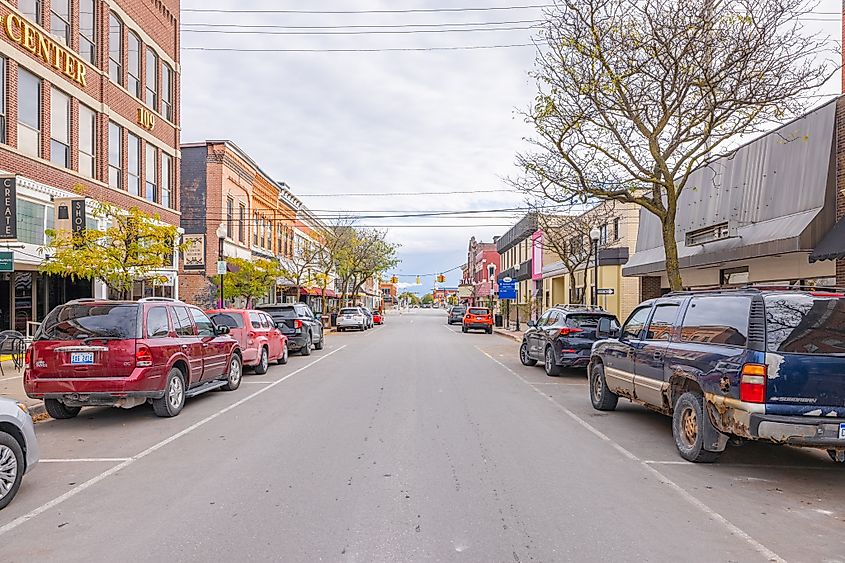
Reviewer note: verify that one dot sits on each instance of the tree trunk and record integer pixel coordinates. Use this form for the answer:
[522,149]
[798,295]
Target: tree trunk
[572,282]
[670,246]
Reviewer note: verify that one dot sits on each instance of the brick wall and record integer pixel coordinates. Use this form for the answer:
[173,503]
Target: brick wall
[840,179]
[649,287]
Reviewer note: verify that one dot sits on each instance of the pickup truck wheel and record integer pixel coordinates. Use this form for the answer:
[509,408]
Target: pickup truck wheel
[601,396]
[235,374]
[174,395]
[687,420]
[59,410]
[11,468]
[263,363]
[552,369]
[306,350]
[524,357]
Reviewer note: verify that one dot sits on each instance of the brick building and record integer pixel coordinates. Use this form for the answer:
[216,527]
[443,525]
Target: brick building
[89,101]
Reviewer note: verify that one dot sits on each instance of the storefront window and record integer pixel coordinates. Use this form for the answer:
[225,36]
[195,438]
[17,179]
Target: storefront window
[133,164]
[166,178]
[115,150]
[59,128]
[30,222]
[115,49]
[23,300]
[29,113]
[87,137]
[151,169]
[152,78]
[133,67]
[87,31]
[60,20]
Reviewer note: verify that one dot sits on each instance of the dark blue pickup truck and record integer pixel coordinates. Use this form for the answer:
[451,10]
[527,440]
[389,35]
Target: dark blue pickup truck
[750,364]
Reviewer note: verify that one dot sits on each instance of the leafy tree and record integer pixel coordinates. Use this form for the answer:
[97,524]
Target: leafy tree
[129,249]
[634,95]
[427,299]
[301,268]
[409,297]
[249,279]
[362,257]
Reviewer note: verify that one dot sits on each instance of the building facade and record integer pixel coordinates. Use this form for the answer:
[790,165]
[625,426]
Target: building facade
[515,252]
[89,110]
[479,274]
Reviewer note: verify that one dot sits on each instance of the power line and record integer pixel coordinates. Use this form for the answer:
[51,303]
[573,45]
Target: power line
[377,194]
[374,26]
[356,32]
[455,48]
[340,12]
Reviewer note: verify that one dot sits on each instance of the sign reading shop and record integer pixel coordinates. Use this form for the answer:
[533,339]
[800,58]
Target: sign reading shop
[8,208]
[42,46]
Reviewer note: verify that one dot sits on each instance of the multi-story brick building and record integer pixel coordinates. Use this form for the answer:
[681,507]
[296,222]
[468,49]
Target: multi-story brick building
[89,102]
[479,277]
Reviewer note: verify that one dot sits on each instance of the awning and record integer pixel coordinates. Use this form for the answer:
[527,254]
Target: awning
[832,246]
[316,292]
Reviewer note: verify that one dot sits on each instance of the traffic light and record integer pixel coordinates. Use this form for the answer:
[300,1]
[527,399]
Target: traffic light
[394,280]
[418,281]
[441,278]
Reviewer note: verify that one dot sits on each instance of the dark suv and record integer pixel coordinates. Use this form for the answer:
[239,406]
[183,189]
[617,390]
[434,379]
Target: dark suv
[124,353]
[562,337]
[296,321]
[757,364]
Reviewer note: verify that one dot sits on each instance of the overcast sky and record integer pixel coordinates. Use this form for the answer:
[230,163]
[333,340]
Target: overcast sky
[337,123]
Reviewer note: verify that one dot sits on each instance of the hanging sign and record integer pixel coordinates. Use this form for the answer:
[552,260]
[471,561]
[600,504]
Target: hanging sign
[8,208]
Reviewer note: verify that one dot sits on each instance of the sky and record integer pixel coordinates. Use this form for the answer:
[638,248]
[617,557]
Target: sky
[331,123]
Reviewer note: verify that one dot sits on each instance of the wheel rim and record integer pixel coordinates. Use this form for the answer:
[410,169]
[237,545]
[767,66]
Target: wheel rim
[523,353]
[174,393]
[597,388]
[234,370]
[548,361]
[8,470]
[264,359]
[689,426]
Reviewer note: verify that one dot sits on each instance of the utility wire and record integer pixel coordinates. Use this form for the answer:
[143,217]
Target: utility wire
[454,48]
[374,26]
[379,194]
[356,32]
[401,11]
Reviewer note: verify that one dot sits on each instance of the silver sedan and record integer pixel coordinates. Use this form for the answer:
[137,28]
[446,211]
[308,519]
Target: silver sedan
[18,448]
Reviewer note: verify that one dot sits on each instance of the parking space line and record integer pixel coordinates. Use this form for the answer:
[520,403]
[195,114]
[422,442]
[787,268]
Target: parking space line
[152,449]
[86,460]
[11,378]
[686,495]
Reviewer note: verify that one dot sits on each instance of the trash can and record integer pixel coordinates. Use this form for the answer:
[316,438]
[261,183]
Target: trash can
[499,321]
[334,319]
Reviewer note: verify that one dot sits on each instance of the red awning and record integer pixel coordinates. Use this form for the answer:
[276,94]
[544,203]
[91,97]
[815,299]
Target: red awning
[331,294]
[316,291]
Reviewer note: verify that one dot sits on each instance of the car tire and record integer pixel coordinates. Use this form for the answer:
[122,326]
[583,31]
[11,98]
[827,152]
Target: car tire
[59,410]
[464,329]
[235,373]
[526,359]
[283,359]
[320,343]
[11,468]
[602,398]
[263,362]
[490,330]
[552,369]
[833,457]
[306,350]
[173,401]
[687,418]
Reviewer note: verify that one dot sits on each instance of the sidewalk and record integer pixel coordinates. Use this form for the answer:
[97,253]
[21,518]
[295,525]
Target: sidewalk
[511,333]
[11,386]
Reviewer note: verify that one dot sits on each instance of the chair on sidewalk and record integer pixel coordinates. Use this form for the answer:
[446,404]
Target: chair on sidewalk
[13,343]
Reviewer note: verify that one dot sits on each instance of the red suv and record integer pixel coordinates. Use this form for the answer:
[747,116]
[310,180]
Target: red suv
[257,334]
[92,352]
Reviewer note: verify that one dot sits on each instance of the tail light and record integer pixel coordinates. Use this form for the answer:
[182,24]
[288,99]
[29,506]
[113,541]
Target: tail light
[251,336]
[752,383]
[143,357]
[28,357]
[565,331]
[297,323]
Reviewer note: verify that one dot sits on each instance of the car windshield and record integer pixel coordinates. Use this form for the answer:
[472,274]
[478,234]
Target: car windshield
[350,312]
[479,312]
[230,320]
[458,310]
[805,324]
[95,320]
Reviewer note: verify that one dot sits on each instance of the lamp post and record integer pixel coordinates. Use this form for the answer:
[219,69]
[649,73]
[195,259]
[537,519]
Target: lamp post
[595,234]
[221,236]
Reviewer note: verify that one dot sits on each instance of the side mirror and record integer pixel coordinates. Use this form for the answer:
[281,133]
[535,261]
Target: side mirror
[220,330]
[603,330]
[531,324]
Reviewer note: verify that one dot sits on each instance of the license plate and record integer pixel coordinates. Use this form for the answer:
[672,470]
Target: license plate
[347,317]
[842,430]
[87,358]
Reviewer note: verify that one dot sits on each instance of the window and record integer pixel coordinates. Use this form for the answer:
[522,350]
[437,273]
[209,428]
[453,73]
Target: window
[133,164]
[263,231]
[150,171]
[230,217]
[255,228]
[60,20]
[115,49]
[88,30]
[255,319]
[2,100]
[157,324]
[166,179]
[30,222]
[29,113]
[805,324]
[87,140]
[115,151]
[660,327]
[230,320]
[635,323]
[59,128]
[603,234]
[266,321]
[205,327]
[31,9]
[152,79]
[241,222]
[167,91]
[734,276]
[717,320]
[133,66]
[183,322]
[616,228]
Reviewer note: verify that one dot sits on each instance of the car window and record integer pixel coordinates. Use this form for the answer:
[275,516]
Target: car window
[266,321]
[478,312]
[255,319]
[184,327]
[304,312]
[717,320]
[805,324]
[543,320]
[157,324]
[75,322]
[231,320]
[660,327]
[283,313]
[349,311]
[635,323]
[583,320]
[204,325]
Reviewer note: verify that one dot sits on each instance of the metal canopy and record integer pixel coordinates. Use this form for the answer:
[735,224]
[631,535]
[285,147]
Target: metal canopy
[832,245]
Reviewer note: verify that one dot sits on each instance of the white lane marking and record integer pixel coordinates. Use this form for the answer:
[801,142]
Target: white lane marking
[11,378]
[86,460]
[731,527]
[743,465]
[263,382]
[155,447]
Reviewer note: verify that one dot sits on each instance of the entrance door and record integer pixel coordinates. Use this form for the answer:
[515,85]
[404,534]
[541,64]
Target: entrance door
[5,302]
[23,301]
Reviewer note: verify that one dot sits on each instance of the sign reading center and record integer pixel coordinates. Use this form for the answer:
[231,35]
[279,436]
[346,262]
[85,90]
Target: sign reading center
[52,53]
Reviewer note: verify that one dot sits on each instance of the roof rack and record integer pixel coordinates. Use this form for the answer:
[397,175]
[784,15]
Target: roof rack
[579,307]
[82,300]
[165,299]
[759,288]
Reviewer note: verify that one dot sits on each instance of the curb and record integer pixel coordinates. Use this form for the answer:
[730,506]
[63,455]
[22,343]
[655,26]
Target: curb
[37,411]
[510,335]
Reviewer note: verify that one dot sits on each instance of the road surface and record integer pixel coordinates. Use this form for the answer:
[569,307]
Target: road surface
[412,442]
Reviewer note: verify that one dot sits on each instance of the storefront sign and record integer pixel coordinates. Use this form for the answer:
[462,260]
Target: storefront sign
[146,119]
[43,47]
[77,216]
[8,208]
[7,261]
[194,251]
[221,267]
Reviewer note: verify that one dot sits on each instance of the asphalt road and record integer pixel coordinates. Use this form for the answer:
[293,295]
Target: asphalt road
[412,442]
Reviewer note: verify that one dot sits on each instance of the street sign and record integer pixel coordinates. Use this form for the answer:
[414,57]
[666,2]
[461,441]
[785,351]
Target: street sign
[507,279]
[507,288]
[605,291]
[221,267]
[7,261]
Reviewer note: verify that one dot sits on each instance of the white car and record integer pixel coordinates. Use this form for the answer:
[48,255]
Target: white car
[18,448]
[351,317]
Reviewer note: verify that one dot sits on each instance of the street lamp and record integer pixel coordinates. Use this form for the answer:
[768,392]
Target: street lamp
[221,236]
[595,234]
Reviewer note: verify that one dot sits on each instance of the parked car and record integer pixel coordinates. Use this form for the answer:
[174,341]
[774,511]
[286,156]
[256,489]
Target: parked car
[562,337]
[261,341]
[93,352]
[302,328]
[378,318]
[478,318]
[351,317]
[456,314]
[369,314]
[749,364]
[18,448]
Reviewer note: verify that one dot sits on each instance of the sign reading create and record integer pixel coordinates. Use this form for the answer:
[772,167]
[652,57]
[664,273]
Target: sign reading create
[52,53]
[8,208]
[194,251]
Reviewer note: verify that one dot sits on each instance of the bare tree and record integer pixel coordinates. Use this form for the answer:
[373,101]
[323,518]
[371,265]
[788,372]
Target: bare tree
[633,95]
